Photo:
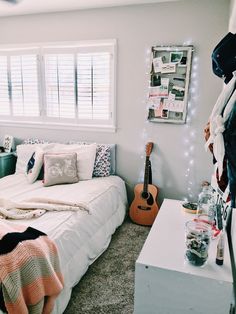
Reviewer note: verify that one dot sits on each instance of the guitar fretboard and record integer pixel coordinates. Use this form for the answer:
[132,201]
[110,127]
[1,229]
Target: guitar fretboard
[146,175]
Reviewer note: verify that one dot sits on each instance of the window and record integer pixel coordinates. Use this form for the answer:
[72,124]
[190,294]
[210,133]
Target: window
[59,85]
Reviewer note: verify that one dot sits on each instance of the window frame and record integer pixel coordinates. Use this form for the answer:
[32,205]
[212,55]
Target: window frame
[42,121]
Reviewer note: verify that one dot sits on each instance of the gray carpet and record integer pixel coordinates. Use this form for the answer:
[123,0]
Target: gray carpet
[108,285]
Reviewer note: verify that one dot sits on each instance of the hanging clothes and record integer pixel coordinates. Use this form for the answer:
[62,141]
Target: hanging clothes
[230,152]
[220,133]
[218,118]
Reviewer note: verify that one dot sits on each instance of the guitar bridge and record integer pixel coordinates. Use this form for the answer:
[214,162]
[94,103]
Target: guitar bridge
[144,207]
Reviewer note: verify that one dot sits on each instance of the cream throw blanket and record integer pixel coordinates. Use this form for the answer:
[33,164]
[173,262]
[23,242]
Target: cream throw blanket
[35,207]
[226,100]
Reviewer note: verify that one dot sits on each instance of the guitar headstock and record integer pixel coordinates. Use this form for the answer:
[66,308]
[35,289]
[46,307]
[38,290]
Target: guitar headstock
[149,147]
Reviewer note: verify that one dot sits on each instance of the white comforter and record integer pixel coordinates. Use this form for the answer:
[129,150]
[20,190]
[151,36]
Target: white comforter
[80,236]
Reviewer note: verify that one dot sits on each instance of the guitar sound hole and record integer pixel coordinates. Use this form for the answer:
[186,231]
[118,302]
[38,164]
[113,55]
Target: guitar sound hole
[148,197]
[150,200]
[145,195]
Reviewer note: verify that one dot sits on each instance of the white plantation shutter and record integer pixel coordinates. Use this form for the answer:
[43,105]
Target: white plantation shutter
[4,87]
[19,94]
[24,85]
[93,84]
[60,85]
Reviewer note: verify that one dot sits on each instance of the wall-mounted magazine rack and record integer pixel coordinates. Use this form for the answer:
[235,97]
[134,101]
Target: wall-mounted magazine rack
[169,83]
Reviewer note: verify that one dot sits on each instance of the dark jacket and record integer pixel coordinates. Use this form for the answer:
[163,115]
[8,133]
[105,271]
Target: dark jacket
[230,152]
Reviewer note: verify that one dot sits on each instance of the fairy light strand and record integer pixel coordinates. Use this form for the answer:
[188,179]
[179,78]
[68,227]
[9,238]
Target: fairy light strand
[189,137]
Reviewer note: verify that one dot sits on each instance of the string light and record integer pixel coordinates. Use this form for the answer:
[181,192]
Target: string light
[193,111]
[191,162]
[191,134]
[188,42]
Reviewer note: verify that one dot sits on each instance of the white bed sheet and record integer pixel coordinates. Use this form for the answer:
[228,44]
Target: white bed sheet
[80,236]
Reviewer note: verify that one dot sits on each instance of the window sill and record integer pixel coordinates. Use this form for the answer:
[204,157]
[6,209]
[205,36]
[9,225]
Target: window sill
[59,126]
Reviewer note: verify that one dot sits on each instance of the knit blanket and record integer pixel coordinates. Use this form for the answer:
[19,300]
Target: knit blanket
[30,273]
[36,207]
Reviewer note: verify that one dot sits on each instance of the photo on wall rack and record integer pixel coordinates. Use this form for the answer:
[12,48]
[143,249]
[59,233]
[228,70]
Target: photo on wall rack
[169,81]
[176,56]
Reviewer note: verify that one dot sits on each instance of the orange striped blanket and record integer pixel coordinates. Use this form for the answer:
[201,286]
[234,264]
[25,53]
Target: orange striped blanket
[30,273]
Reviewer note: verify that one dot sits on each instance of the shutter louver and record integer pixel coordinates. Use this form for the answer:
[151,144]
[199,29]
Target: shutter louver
[24,85]
[60,85]
[93,84]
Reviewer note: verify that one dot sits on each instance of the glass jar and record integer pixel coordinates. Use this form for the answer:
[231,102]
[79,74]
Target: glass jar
[206,204]
[205,198]
[197,240]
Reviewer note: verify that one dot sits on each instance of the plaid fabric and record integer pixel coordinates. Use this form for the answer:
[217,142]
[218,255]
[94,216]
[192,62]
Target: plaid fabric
[30,273]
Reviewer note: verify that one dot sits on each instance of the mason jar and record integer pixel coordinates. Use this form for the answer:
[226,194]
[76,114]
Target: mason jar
[197,240]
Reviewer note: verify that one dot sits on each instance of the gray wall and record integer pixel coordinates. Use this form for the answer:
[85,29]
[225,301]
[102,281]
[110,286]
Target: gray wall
[179,160]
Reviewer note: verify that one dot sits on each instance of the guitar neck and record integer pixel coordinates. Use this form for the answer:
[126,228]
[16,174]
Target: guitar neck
[146,175]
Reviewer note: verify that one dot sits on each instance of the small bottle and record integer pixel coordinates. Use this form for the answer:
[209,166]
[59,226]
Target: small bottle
[220,249]
[204,200]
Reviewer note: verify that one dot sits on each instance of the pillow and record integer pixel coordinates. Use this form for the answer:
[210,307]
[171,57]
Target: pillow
[34,165]
[24,153]
[102,164]
[85,157]
[105,159]
[60,168]
[34,141]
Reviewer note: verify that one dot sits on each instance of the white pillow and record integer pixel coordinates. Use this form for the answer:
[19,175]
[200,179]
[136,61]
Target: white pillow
[24,153]
[34,165]
[85,161]
[85,157]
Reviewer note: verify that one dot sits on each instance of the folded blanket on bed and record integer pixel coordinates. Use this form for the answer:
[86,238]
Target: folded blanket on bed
[35,207]
[30,273]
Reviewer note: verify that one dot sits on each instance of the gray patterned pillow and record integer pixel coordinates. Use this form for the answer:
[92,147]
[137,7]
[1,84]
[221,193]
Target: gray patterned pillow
[103,160]
[102,164]
[60,168]
[34,141]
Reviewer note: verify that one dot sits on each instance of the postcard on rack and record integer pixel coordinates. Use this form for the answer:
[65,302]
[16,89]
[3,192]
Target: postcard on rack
[176,56]
[165,82]
[177,106]
[178,91]
[166,103]
[158,110]
[158,91]
[165,113]
[153,102]
[157,64]
[168,68]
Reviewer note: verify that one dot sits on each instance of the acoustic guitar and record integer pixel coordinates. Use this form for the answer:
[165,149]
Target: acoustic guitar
[144,207]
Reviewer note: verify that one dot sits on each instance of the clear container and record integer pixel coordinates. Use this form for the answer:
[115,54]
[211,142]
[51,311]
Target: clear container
[204,200]
[197,240]
[206,204]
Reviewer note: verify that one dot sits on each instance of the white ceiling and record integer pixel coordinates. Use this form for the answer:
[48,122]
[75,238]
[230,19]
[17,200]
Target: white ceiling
[22,7]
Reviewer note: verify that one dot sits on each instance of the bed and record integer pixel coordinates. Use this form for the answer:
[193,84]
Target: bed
[81,236]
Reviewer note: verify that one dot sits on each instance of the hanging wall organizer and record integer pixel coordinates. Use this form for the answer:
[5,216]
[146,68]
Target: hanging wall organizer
[169,83]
